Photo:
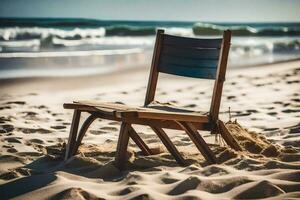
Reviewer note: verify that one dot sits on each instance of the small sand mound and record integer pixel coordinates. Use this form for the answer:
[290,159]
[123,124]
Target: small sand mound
[75,194]
[190,183]
[288,175]
[262,189]
[252,141]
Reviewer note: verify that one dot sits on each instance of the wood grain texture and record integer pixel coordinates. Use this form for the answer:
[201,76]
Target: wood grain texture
[121,152]
[221,72]
[192,42]
[73,133]
[153,76]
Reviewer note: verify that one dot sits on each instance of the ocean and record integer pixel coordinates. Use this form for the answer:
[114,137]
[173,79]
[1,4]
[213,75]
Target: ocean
[33,47]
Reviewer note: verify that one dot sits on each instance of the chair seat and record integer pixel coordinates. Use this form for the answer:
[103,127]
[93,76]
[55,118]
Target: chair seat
[154,110]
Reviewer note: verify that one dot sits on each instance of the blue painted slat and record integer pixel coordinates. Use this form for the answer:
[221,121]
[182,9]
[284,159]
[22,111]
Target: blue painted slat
[187,62]
[191,53]
[195,72]
[192,42]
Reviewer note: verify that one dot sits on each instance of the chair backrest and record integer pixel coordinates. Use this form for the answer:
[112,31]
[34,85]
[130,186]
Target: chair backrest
[190,57]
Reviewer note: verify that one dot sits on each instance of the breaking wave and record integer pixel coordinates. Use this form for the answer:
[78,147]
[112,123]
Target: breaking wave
[248,30]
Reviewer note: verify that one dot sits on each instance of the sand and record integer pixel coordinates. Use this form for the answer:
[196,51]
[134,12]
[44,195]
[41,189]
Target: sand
[264,117]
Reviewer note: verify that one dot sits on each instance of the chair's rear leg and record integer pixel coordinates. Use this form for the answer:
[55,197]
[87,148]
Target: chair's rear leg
[73,133]
[229,139]
[198,141]
[121,153]
[86,124]
[169,145]
[139,142]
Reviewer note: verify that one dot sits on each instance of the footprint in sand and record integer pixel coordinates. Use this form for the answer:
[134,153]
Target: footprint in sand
[290,110]
[42,107]
[11,150]
[295,129]
[58,127]
[109,128]
[294,81]
[119,102]
[32,130]
[36,141]
[114,123]
[296,100]
[5,107]
[12,140]
[6,128]
[190,106]
[272,113]
[231,97]
[16,102]
[30,115]
[97,132]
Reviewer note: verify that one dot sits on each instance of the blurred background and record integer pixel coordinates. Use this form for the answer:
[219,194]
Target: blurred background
[76,38]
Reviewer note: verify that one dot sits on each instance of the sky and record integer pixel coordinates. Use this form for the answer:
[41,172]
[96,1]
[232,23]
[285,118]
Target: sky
[165,10]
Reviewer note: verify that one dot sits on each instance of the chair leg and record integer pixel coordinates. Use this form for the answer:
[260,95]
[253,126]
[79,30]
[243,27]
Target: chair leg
[86,124]
[121,153]
[169,145]
[229,139]
[73,133]
[199,141]
[139,142]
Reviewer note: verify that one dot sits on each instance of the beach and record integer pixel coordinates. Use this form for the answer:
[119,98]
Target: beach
[264,118]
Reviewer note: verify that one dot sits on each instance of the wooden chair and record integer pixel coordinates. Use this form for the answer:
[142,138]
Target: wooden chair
[190,57]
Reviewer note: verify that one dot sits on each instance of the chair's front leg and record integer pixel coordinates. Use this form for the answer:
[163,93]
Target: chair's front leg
[86,124]
[121,153]
[73,133]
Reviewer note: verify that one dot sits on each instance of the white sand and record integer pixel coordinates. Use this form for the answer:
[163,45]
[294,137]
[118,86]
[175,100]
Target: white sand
[263,99]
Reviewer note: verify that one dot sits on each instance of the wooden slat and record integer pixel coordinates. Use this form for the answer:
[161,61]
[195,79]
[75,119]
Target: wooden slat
[169,124]
[199,142]
[164,116]
[166,124]
[192,42]
[169,145]
[188,62]
[191,53]
[194,72]
[123,111]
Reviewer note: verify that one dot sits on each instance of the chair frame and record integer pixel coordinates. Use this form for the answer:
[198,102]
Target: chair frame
[158,122]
